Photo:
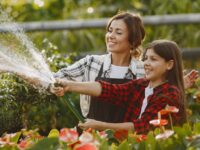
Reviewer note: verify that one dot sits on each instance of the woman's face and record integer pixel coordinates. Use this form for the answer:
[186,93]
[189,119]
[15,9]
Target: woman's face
[117,37]
[156,67]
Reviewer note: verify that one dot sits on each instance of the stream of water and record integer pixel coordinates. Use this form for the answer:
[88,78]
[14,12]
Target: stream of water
[19,55]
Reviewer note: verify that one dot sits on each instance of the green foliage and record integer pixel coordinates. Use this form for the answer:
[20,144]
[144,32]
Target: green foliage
[180,140]
[46,143]
[23,106]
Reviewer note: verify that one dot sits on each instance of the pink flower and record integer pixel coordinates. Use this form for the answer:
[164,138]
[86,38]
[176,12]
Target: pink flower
[102,134]
[165,135]
[68,135]
[172,109]
[24,144]
[169,109]
[158,122]
[86,137]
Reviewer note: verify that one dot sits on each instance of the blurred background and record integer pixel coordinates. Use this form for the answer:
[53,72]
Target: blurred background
[66,30]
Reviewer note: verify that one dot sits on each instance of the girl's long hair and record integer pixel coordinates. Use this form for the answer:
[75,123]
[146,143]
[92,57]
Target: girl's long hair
[169,50]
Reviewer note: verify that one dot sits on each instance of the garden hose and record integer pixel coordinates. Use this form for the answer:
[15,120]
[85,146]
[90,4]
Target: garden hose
[67,100]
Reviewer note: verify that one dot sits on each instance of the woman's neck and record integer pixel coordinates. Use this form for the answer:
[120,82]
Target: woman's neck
[121,60]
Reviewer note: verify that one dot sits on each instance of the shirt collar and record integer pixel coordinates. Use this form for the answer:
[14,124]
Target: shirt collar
[108,62]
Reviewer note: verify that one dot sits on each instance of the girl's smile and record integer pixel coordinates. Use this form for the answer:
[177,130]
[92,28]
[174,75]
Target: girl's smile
[156,68]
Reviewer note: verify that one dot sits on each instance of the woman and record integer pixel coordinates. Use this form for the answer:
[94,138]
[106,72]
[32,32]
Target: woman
[163,85]
[125,32]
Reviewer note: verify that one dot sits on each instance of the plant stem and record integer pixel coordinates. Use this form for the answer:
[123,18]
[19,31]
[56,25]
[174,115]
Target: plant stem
[171,123]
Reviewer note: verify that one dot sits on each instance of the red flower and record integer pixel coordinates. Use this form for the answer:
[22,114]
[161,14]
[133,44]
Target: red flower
[68,135]
[158,122]
[121,134]
[86,146]
[139,138]
[24,144]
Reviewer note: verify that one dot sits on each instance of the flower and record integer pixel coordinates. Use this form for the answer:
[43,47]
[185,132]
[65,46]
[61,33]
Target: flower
[165,135]
[86,146]
[139,138]
[86,137]
[172,109]
[68,135]
[169,109]
[121,134]
[158,122]
[24,144]
[102,134]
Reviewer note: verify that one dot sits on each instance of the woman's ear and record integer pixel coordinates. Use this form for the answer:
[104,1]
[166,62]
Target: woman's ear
[170,64]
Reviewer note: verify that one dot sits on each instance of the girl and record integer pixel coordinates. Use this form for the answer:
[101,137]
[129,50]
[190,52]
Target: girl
[143,98]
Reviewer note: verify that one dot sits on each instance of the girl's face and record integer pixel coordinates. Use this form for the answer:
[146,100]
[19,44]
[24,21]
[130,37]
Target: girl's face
[117,37]
[156,67]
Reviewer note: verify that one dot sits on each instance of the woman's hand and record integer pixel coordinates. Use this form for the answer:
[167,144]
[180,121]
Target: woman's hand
[61,88]
[58,91]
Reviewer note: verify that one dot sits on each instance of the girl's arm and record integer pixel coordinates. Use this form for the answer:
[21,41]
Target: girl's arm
[88,88]
[99,125]
[117,93]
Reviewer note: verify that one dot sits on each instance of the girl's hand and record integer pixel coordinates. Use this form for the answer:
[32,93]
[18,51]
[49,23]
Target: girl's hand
[189,79]
[90,123]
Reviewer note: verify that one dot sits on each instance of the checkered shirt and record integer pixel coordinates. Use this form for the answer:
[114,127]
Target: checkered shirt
[133,94]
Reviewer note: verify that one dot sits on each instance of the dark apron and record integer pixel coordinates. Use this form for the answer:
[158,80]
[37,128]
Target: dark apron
[105,111]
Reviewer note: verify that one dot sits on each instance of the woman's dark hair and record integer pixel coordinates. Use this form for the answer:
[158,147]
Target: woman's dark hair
[135,29]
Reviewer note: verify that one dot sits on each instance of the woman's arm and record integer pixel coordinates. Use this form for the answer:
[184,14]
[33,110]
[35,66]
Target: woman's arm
[99,125]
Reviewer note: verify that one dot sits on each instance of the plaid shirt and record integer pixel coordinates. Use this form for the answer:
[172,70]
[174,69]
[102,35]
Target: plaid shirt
[87,69]
[133,94]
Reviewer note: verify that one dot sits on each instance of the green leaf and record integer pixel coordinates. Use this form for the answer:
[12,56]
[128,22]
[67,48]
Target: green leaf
[46,144]
[196,128]
[104,145]
[150,141]
[15,139]
[124,146]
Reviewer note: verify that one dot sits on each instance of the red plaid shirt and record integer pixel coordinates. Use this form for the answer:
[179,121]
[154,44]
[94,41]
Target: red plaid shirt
[133,94]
